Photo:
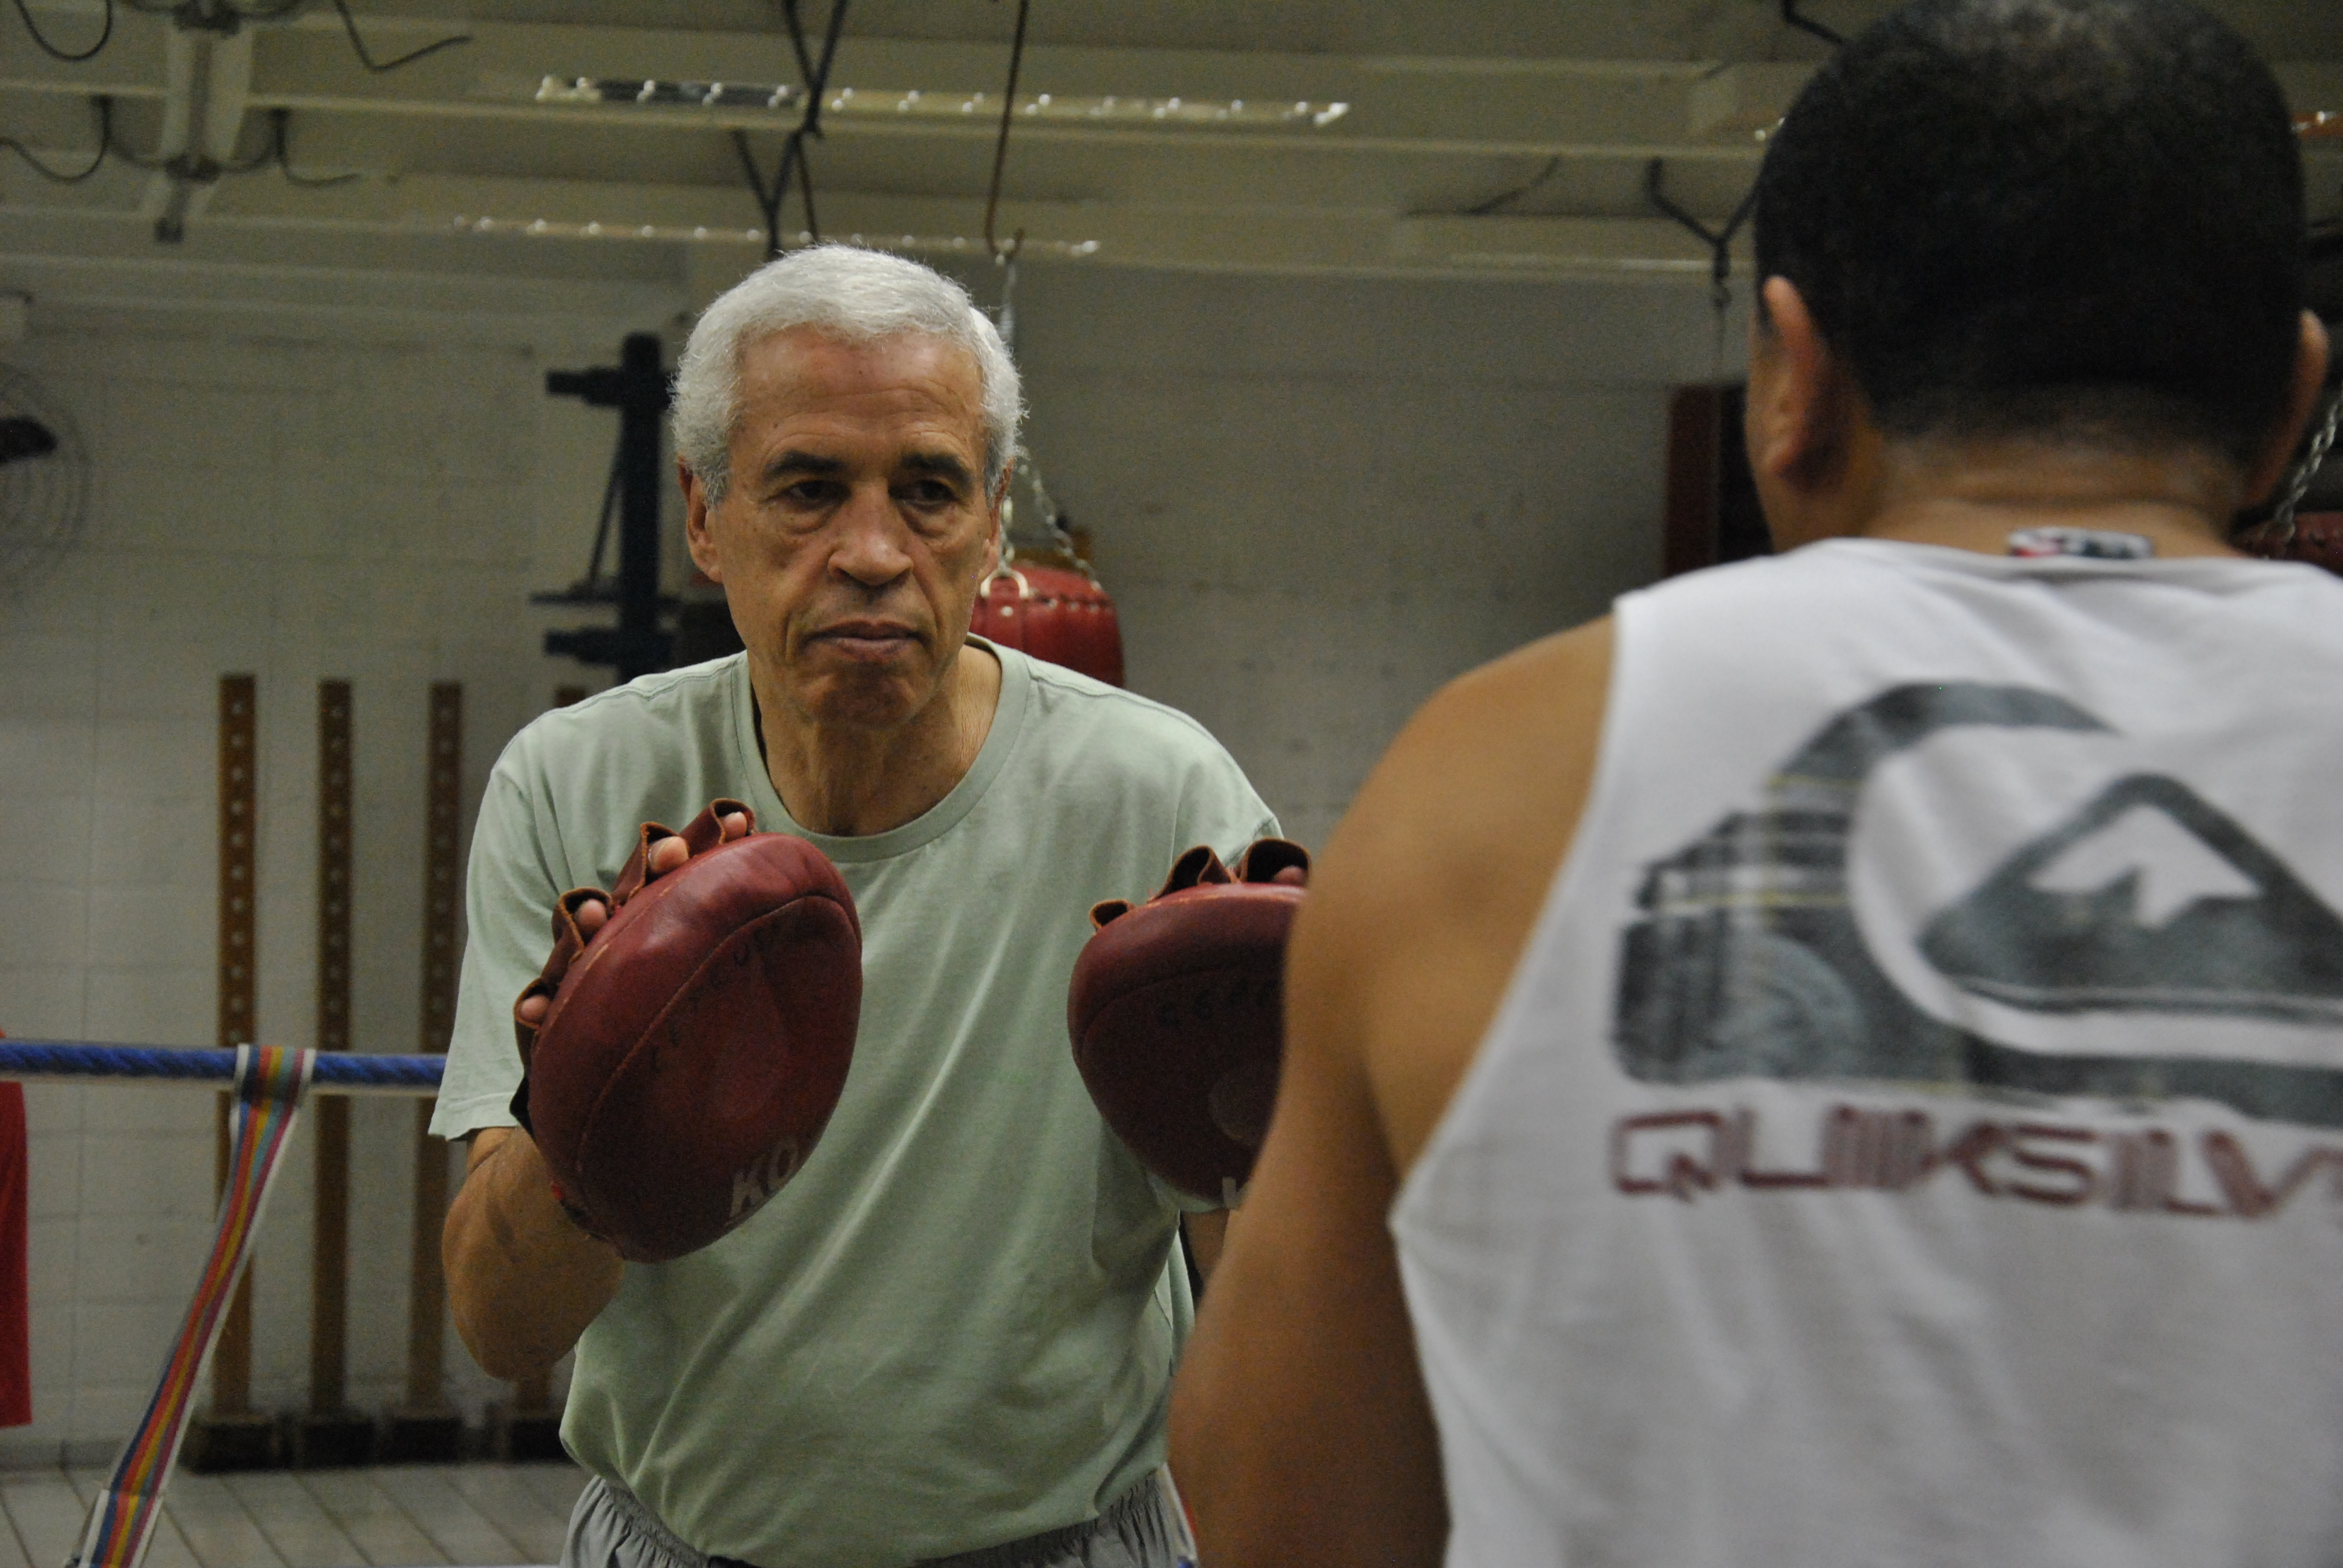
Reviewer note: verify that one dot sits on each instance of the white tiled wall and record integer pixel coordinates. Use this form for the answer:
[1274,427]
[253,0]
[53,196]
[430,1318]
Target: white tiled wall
[358,508]
[1314,502]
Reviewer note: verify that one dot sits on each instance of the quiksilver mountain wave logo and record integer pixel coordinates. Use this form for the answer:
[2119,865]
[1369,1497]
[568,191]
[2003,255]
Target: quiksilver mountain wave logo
[1748,961]
[2149,898]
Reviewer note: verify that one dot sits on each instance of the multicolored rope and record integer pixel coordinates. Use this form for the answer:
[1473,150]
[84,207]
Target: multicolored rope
[270,1081]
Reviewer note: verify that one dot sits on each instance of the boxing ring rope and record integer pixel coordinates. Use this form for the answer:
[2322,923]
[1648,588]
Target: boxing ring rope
[268,1086]
[83,1062]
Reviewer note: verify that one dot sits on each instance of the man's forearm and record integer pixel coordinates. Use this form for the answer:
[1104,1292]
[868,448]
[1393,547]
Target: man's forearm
[524,1281]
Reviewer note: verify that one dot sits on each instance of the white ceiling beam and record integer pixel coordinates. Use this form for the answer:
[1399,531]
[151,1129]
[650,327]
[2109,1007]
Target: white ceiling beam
[278,275]
[1443,108]
[1195,237]
[1293,242]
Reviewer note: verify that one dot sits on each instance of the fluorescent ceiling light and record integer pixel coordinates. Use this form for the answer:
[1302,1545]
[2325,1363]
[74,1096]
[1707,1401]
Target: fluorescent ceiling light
[1108,109]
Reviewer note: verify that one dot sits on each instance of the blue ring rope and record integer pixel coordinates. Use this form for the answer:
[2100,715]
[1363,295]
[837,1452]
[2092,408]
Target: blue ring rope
[334,1069]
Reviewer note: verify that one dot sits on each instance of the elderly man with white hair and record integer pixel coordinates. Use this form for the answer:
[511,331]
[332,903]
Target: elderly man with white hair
[952,1334]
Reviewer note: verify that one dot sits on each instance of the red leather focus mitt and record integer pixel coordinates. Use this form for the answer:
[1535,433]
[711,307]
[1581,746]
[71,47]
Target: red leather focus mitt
[1177,1014]
[697,1041]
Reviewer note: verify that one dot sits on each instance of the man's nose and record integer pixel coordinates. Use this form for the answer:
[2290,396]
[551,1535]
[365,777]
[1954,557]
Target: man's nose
[870,540]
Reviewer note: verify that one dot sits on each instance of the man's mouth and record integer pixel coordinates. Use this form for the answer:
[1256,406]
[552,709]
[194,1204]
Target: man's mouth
[872,640]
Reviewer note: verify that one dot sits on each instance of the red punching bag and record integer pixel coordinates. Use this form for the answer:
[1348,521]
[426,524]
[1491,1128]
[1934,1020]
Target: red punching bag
[1044,601]
[1050,605]
[2317,537]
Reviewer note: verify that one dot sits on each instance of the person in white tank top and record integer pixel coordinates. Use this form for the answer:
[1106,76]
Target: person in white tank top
[1841,1062]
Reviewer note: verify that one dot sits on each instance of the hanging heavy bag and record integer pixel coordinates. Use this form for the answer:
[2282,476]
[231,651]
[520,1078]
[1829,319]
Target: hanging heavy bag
[2317,538]
[1177,1014]
[1053,610]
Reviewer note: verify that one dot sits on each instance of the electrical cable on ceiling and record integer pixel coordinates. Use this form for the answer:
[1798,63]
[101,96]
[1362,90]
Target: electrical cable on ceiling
[281,154]
[817,80]
[105,107]
[805,193]
[817,86]
[1807,24]
[1719,242]
[54,52]
[769,201]
[365,57]
[794,157]
[1000,144]
[797,38]
[277,153]
[1506,199]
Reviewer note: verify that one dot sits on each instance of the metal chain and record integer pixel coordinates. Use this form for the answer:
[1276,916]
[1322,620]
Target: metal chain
[2279,532]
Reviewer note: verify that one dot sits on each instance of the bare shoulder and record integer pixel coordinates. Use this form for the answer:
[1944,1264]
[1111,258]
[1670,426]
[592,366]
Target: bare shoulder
[1426,894]
[1293,1445]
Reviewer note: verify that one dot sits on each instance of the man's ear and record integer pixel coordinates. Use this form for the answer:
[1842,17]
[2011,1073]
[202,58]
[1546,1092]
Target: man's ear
[1806,424]
[2302,403]
[1796,388]
[696,531]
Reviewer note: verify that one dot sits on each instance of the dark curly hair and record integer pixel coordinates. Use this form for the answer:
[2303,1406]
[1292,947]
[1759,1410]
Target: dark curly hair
[2070,218]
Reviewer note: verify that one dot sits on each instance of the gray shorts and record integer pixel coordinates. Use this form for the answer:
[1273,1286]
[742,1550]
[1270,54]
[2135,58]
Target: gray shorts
[611,1528]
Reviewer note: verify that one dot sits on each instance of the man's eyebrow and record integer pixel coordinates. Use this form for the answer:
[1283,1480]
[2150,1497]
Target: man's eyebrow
[940,464]
[795,462]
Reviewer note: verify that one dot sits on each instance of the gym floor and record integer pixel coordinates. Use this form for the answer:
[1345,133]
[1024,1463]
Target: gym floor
[472,1515]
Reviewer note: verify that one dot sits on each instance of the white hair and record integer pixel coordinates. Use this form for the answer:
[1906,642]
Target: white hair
[847,292]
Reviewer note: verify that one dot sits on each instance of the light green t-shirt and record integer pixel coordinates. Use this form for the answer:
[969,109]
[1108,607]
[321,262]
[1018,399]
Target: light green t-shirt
[957,1325]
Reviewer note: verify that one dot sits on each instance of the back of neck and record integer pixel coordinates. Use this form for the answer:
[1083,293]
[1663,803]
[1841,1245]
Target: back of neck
[1975,495]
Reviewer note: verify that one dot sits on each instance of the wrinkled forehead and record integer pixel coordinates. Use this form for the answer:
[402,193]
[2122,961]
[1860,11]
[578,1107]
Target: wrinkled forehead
[805,372]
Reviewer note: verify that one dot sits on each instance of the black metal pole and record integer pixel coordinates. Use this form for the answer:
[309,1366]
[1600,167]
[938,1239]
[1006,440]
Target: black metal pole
[642,399]
[637,387]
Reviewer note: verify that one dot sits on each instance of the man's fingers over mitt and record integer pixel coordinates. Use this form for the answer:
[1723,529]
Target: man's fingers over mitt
[690,1032]
[578,913]
[661,850]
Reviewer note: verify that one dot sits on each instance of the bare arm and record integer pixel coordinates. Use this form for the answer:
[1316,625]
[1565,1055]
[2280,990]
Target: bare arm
[1207,1234]
[523,1279]
[1301,1431]
[1298,1404]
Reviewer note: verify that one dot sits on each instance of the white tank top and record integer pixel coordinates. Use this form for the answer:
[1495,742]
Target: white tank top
[1914,1134]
